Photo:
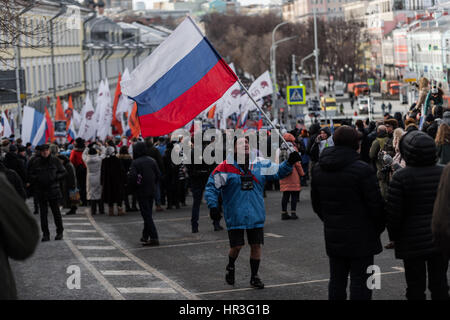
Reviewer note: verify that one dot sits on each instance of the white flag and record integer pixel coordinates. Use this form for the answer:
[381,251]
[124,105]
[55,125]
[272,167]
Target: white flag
[104,108]
[88,123]
[260,88]
[124,104]
[7,132]
[76,118]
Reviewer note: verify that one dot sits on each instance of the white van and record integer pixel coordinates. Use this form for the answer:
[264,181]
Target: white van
[339,89]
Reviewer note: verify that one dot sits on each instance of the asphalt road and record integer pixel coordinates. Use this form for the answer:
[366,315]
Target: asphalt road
[114,265]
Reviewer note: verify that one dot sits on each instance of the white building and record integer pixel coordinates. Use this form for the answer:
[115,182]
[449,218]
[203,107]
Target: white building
[428,49]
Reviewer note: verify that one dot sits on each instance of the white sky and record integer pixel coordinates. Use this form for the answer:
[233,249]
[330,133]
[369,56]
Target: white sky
[149,3]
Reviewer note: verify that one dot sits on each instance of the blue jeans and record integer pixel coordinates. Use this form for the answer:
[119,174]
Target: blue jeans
[197,193]
[146,206]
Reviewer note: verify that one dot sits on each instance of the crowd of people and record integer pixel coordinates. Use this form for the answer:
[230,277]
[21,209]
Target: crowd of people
[365,178]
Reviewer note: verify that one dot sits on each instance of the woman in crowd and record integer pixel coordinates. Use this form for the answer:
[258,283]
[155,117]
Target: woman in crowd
[113,181]
[443,144]
[92,157]
[290,185]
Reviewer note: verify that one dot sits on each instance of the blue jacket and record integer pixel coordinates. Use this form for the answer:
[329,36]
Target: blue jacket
[243,209]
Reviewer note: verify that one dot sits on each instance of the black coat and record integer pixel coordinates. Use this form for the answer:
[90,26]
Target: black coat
[12,161]
[145,167]
[113,179]
[411,196]
[14,180]
[346,197]
[45,175]
[68,183]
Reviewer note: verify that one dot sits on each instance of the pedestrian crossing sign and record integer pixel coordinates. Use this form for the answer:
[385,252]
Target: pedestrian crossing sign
[296,94]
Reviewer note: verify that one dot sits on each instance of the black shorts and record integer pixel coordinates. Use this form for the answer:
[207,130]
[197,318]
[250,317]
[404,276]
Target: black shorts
[254,236]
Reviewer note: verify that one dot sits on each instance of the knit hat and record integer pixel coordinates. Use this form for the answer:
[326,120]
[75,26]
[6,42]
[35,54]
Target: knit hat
[347,136]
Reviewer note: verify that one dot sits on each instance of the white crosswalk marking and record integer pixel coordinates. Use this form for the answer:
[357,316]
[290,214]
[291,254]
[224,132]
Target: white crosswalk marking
[101,259]
[96,248]
[74,218]
[77,224]
[124,273]
[80,231]
[146,290]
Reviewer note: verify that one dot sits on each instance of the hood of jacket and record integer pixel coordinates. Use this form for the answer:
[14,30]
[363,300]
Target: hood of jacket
[418,149]
[337,157]
[139,150]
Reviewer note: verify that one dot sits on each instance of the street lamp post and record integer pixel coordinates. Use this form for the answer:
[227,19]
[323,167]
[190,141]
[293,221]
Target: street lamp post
[274,70]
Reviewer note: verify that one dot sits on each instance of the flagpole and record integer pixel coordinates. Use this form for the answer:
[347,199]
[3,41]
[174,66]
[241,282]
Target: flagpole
[265,115]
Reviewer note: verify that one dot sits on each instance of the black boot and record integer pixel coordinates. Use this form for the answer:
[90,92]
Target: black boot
[59,236]
[256,282]
[285,216]
[229,276]
[45,238]
[293,215]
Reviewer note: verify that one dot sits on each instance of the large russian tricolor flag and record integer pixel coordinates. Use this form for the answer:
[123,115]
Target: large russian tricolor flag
[34,126]
[181,78]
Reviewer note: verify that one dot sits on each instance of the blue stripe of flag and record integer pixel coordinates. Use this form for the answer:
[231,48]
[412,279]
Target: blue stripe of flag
[183,75]
[37,121]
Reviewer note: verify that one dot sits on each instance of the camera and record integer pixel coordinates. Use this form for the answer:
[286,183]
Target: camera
[247,182]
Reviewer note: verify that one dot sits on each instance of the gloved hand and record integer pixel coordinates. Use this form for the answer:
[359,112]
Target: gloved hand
[214,213]
[294,157]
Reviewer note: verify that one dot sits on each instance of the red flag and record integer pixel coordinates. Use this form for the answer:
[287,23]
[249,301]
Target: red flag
[211,112]
[133,122]
[117,125]
[69,112]
[59,114]
[49,131]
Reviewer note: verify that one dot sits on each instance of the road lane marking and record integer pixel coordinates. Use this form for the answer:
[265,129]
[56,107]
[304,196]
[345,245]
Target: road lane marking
[179,245]
[102,259]
[279,285]
[79,231]
[124,273]
[186,293]
[157,220]
[398,268]
[273,235]
[96,248]
[77,224]
[267,235]
[74,218]
[108,286]
[87,239]
[146,290]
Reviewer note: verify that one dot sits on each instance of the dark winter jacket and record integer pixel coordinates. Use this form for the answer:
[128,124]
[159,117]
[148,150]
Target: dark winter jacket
[346,197]
[113,179]
[45,175]
[19,235]
[144,172]
[69,182]
[125,160]
[411,197]
[156,155]
[198,172]
[443,153]
[13,162]
[441,213]
[14,180]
